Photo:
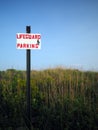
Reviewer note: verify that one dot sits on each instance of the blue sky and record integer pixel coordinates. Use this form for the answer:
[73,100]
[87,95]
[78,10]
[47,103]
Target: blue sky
[69,31]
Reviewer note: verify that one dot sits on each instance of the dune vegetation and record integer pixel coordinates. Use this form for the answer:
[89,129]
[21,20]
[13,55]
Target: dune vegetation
[61,99]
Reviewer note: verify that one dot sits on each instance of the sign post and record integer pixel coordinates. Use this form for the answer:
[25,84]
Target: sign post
[28,41]
[28,60]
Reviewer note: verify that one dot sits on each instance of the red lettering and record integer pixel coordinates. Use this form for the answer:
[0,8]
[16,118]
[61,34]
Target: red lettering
[37,45]
[39,37]
[32,36]
[32,45]
[18,45]
[27,46]
[18,36]
[36,36]
[28,36]
[24,45]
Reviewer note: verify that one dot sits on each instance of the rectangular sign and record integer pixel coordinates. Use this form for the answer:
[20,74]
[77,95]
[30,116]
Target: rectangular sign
[28,41]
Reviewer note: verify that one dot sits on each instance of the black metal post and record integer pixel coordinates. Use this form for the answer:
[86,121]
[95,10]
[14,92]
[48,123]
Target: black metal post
[28,60]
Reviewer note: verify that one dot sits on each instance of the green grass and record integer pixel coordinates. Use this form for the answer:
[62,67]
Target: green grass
[61,99]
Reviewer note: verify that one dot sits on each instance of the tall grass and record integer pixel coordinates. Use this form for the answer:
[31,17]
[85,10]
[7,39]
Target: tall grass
[62,99]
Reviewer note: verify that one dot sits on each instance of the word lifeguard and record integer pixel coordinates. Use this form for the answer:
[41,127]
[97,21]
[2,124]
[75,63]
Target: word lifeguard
[28,41]
[28,36]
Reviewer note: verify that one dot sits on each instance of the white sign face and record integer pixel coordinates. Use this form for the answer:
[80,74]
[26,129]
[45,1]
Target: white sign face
[28,41]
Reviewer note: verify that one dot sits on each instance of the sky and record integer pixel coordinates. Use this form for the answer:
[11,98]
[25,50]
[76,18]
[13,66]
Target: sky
[68,28]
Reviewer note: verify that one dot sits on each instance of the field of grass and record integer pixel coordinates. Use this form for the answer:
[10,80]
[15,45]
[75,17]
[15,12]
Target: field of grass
[61,99]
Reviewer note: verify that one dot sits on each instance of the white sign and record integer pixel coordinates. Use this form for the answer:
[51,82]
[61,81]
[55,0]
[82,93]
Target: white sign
[28,41]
